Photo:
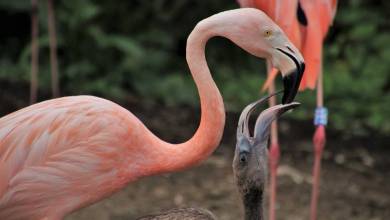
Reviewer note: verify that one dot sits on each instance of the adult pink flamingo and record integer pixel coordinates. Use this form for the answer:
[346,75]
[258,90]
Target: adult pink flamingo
[63,154]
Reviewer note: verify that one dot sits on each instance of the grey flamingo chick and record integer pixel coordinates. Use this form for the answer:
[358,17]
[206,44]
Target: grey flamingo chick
[249,166]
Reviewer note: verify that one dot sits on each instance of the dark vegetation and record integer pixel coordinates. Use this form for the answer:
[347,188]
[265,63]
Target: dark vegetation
[135,50]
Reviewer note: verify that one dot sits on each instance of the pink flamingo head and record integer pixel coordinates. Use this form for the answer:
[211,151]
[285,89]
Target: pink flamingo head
[253,31]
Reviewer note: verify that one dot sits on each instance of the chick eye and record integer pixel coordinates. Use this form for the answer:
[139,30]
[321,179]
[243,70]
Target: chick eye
[267,33]
[243,158]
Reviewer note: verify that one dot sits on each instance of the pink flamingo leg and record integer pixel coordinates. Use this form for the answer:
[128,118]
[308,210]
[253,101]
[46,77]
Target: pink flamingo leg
[319,140]
[34,52]
[273,162]
[319,144]
[53,48]
[274,154]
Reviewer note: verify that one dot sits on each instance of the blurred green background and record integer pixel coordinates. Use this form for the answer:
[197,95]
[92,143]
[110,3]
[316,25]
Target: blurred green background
[135,50]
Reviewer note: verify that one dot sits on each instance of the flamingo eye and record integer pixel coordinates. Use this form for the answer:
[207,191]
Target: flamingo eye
[267,33]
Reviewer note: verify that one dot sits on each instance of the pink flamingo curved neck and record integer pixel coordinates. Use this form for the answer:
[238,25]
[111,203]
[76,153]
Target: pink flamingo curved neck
[209,133]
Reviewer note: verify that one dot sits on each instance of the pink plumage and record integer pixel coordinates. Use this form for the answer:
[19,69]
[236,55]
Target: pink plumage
[62,153]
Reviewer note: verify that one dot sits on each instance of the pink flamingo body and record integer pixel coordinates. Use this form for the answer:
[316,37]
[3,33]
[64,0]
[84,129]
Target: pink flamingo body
[66,153]
[63,154]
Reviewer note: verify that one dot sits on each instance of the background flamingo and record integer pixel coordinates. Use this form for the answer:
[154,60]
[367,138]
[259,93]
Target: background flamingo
[319,15]
[306,23]
[63,154]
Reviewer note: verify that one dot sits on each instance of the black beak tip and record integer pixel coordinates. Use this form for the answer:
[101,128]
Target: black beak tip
[290,89]
[291,84]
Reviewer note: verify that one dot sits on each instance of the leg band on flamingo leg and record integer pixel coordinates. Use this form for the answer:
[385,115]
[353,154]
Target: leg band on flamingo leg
[321,116]
[320,121]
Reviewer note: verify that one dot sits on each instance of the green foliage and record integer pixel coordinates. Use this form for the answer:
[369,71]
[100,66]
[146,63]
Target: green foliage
[137,48]
[357,67]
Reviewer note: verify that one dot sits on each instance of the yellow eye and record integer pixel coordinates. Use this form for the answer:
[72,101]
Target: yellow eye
[267,33]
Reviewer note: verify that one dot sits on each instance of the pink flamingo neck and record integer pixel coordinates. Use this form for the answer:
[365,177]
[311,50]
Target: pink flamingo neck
[172,157]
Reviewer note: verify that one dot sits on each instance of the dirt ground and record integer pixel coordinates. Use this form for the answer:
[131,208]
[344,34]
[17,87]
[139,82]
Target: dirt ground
[355,178]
